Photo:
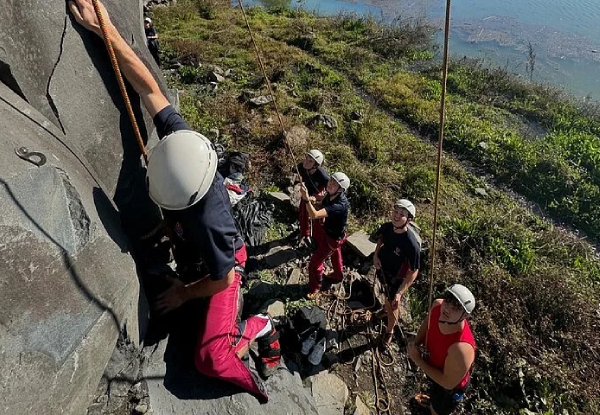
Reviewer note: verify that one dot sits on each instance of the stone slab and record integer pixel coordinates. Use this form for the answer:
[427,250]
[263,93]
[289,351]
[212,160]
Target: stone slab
[330,393]
[295,276]
[280,197]
[361,244]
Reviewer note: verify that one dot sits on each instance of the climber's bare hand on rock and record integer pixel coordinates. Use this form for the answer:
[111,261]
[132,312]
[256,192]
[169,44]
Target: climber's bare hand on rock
[172,298]
[84,13]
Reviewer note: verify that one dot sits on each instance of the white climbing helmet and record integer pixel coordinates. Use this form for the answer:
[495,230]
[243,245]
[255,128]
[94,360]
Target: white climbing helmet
[342,180]
[408,205]
[464,296]
[148,20]
[181,169]
[317,156]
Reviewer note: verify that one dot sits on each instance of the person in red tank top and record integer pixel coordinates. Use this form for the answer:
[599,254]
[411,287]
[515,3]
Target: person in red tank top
[444,349]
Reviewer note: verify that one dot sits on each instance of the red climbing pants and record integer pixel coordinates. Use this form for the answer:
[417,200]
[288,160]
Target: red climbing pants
[221,337]
[327,246]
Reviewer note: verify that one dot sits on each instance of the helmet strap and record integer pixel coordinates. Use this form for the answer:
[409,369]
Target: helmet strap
[450,323]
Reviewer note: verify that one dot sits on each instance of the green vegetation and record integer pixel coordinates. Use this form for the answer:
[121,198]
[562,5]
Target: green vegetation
[537,285]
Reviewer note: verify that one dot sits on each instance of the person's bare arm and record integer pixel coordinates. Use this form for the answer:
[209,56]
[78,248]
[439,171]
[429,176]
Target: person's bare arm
[132,67]
[459,360]
[313,213]
[409,278]
[179,293]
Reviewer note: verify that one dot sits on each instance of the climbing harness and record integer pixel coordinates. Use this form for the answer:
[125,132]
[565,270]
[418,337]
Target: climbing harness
[120,81]
[34,157]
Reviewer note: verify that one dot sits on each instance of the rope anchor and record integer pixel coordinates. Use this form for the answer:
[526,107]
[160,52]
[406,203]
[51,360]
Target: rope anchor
[34,157]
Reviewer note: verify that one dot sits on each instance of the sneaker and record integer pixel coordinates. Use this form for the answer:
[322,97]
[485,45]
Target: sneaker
[308,343]
[269,352]
[317,354]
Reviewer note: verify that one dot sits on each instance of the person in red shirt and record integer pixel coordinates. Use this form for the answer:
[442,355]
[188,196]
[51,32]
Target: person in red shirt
[444,349]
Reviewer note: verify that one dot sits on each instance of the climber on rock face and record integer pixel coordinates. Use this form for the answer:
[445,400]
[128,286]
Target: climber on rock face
[182,179]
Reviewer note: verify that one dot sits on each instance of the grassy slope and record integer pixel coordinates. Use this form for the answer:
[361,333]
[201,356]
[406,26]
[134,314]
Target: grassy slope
[537,286]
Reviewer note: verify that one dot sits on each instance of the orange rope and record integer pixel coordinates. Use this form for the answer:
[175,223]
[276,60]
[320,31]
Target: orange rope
[120,81]
[439,157]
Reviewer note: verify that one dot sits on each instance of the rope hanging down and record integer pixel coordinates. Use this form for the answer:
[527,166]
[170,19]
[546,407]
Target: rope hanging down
[439,154]
[264,71]
[120,81]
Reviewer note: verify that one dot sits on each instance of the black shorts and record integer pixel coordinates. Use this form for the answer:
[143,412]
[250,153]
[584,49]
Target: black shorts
[391,284]
[445,401]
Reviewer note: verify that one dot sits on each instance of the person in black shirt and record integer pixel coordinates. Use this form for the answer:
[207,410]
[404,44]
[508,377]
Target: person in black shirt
[152,39]
[397,260]
[330,232]
[314,177]
[182,179]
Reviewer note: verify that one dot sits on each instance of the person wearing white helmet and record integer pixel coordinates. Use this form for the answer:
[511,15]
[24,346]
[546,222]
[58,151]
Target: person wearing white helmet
[329,231]
[152,39]
[397,260]
[444,349]
[210,254]
[314,177]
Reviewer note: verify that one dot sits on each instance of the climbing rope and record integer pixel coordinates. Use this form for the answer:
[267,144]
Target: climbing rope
[120,81]
[439,159]
[269,88]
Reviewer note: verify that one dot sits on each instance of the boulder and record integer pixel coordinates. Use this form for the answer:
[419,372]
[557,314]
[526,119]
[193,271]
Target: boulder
[330,393]
[327,120]
[260,101]
[361,243]
[279,197]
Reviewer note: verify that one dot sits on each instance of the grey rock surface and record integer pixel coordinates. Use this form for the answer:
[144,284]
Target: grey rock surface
[330,393]
[327,120]
[262,100]
[279,197]
[69,285]
[279,254]
[361,243]
[175,388]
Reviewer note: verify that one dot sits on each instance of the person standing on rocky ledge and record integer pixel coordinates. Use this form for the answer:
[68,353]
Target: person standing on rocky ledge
[444,350]
[182,179]
[397,260]
[152,39]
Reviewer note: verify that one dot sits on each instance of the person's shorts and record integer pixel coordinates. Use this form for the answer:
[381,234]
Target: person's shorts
[444,401]
[392,284]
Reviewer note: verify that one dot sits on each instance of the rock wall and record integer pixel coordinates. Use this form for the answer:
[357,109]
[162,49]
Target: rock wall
[68,282]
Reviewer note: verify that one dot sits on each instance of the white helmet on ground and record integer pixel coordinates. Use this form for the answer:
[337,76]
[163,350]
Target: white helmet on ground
[408,205]
[181,169]
[342,180]
[317,156]
[464,296]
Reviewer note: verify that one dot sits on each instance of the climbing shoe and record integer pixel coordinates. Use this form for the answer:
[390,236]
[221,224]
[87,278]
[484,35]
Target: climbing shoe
[269,352]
